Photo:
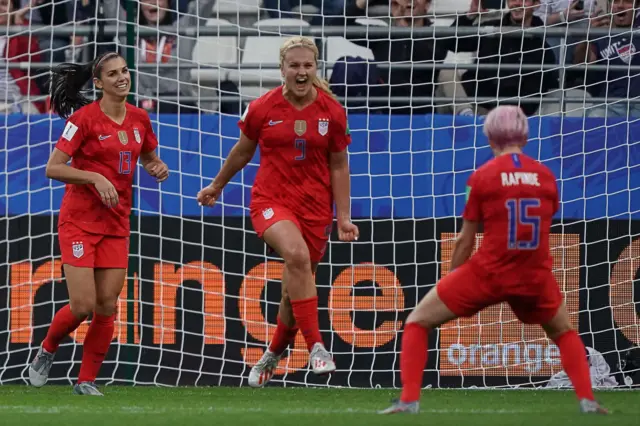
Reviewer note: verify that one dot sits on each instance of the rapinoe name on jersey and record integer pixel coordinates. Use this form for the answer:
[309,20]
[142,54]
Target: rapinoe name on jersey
[519,178]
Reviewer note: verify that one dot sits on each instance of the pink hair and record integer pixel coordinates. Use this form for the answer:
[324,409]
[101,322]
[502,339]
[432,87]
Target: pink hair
[506,125]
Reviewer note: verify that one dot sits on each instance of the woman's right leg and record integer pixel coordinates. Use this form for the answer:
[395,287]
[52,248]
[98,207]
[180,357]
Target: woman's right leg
[82,296]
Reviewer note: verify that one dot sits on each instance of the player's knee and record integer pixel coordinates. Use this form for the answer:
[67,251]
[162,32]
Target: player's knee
[106,307]
[297,258]
[82,306]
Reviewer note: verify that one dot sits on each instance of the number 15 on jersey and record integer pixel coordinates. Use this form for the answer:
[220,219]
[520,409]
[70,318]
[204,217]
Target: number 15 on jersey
[518,211]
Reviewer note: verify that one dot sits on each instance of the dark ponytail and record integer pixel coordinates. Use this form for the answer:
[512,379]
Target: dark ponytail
[67,81]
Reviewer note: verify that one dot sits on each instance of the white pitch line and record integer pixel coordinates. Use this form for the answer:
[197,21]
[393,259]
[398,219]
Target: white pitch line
[72,409]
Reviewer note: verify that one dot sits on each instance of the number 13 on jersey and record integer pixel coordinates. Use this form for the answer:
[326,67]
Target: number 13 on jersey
[125,162]
[518,210]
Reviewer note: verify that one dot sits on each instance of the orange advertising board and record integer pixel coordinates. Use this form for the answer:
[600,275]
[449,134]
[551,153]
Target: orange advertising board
[494,342]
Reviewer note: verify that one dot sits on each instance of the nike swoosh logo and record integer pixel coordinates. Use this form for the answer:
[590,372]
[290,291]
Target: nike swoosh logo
[273,123]
[104,137]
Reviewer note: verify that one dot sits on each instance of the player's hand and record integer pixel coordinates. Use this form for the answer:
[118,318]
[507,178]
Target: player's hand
[209,195]
[107,191]
[158,170]
[347,231]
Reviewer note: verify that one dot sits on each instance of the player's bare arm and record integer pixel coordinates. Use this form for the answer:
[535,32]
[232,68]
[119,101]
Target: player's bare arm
[59,169]
[154,166]
[341,187]
[240,155]
[464,244]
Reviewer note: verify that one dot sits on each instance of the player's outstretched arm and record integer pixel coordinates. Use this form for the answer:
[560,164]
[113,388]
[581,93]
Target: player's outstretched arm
[154,166]
[341,187]
[239,156]
[58,169]
[464,244]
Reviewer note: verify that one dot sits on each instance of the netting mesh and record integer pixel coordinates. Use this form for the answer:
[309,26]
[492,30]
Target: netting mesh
[202,292]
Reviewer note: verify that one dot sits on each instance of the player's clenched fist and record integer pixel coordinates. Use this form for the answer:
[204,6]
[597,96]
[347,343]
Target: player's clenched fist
[347,231]
[107,191]
[209,195]
[158,170]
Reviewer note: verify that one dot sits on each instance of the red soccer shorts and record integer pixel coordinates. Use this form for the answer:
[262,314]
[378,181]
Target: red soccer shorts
[533,296]
[84,250]
[315,234]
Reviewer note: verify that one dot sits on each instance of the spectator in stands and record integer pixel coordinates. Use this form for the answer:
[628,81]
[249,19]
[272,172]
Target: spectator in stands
[417,50]
[49,12]
[614,50]
[523,49]
[330,12]
[17,85]
[566,14]
[164,48]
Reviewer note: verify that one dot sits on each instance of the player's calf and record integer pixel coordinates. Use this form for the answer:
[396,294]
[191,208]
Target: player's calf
[40,368]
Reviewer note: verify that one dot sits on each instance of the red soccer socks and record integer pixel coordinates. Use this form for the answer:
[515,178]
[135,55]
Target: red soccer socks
[413,359]
[305,312]
[282,338]
[64,323]
[96,345]
[574,363]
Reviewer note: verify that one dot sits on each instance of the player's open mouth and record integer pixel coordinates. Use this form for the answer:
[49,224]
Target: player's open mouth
[301,82]
[122,86]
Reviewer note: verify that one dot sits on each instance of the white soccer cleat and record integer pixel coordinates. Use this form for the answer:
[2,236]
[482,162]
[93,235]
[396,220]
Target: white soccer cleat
[86,388]
[262,372]
[398,407]
[588,406]
[40,367]
[321,360]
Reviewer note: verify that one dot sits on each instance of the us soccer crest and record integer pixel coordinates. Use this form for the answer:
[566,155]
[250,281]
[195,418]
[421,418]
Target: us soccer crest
[124,139]
[78,250]
[323,126]
[300,127]
[626,52]
[136,133]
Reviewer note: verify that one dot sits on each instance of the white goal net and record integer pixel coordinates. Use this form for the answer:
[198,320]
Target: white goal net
[200,301]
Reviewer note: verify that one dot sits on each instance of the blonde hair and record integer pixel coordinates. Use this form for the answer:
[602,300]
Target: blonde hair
[300,41]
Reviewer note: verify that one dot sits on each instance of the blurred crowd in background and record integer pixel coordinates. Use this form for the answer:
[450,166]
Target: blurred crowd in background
[186,74]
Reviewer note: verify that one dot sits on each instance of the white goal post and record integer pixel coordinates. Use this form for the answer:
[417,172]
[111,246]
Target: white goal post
[201,297]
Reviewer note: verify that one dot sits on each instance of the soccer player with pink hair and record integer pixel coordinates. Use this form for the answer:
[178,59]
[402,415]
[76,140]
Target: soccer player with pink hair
[515,198]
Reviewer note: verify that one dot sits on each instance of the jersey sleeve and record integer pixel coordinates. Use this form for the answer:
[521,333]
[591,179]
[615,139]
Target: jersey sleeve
[72,135]
[472,207]
[251,122]
[150,142]
[340,134]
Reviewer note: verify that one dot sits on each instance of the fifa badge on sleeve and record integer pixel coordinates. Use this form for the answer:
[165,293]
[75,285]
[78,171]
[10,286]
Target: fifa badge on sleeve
[136,133]
[300,127]
[78,249]
[124,139]
[323,126]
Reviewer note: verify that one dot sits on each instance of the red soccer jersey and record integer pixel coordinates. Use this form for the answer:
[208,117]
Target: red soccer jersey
[515,197]
[98,144]
[294,151]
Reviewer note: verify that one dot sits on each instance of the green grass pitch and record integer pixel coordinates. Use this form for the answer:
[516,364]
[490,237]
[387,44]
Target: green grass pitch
[142,406]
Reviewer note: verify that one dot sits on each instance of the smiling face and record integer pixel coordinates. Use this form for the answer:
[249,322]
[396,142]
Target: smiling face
[622,11]
[299,70]
[154,11]
[522,10]
[114,78]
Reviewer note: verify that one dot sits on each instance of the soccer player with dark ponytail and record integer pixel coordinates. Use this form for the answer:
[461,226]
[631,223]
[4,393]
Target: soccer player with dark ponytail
[103,139]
